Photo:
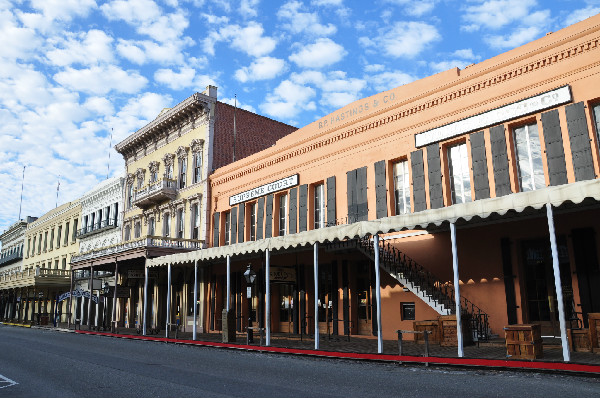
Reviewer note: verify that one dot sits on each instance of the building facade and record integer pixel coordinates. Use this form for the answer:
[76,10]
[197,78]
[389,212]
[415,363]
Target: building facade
[467,189]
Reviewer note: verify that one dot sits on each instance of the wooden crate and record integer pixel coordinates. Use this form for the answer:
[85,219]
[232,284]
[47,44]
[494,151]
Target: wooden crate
[579,340]
[447,328]
[594,324]
[523,341]
[430,326]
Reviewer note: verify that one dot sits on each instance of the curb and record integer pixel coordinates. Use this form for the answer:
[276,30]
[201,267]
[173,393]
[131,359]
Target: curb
[571,368]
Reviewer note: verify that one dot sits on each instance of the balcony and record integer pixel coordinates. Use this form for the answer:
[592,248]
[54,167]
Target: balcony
[155,193]
[11,258]
[35,277]
[98,227]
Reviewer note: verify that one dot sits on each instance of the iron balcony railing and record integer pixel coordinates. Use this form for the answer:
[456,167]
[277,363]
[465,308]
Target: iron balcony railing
[97,227]
[34,273]
[155,192]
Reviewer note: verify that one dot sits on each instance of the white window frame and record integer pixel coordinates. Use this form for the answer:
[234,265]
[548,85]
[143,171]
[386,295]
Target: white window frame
[319,206]
[460,178]
[284,219]
[401,187]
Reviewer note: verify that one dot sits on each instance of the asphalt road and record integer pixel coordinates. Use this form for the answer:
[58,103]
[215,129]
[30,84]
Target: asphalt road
[44,363]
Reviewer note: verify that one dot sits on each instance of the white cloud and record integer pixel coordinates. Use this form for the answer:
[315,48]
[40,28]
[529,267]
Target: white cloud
[326,2]
[86,48]
[54,12]
[214,19]
[263,68]
[337,89]
[141,52]
[175,80]
[249,39]
[298,21]
[323,52]
[581,14]
[403,39]
[374,68]
[521,35]
[99,105]
[101,80]
[389,80]
[441,66]
[466,53]
[17,42]
[288,100]
[248,8]
[414,8]
[236,102]
[494,14]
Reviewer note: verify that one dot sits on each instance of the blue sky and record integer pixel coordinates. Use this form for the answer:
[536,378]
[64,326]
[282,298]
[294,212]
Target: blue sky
[73,71]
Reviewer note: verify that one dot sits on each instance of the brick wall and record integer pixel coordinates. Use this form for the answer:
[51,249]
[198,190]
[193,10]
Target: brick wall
[254,133]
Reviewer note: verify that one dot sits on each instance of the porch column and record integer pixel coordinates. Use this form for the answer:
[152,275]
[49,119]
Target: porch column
[145,304]
[70,301]
[114,309]
[91,287]
[268,297]
[558,285]
[378,294]
[316,271]
[456,290]
[228,283]
[202,300]
[194,331]
[168,299]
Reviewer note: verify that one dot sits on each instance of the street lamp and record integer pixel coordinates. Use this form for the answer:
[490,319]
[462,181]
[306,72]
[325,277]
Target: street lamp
[105,292]
[40,295]
[250,276]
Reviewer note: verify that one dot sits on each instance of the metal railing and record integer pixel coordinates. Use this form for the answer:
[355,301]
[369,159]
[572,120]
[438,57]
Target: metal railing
[98,227]
[31,273]
[396,262]
[17,255]
[164,184]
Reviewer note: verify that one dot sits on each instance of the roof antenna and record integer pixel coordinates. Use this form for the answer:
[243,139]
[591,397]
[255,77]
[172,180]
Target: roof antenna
[109,146]
[21,202]
[57,189]
[234,127]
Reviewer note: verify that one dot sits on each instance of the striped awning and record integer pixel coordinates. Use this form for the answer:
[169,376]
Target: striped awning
[518,202]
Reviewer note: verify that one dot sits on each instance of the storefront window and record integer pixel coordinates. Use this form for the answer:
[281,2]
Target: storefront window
[460,181]
[401,187]
[529,158]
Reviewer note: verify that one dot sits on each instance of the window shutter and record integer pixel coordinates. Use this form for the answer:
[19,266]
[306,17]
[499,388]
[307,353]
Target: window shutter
[555,153]
[351,193]
[362,206]
[436,199]
[580,142]
[260,215]
[302,211]
[479,161]
[418,180]
[241,219]
[380,190]
[269,217]
[216,218]
[293,211]
[500,161]
[331,220]
[233,224]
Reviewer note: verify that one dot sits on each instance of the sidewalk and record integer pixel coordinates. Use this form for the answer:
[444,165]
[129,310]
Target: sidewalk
[489,354]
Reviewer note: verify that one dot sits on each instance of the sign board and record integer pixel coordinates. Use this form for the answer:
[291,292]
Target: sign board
[282,274]
[140,274]
[550,99]
[122,291]
[249,292]
[78,293]
[263,190]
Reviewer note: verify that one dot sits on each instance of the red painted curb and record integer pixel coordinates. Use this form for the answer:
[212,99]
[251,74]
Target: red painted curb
[491,363]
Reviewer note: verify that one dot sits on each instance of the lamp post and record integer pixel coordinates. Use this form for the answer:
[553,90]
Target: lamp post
[40,295]
[250,276]
[105,293]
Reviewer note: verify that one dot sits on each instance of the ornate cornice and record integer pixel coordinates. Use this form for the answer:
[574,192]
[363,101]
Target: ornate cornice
[139,173]
[182,151]
[196,145]
[153,166]
[168,159]
[130,178]
[464,90]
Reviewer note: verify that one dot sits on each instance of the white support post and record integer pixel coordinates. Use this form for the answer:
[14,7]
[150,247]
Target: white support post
[228,283]
[145,305]
[168,300]
[91,287]
[194,328]
[267,298]
[459,335]
[378,294]
[316,271]
[114,309]
[558,285]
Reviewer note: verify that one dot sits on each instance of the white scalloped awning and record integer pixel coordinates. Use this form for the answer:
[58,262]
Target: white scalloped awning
[518,202]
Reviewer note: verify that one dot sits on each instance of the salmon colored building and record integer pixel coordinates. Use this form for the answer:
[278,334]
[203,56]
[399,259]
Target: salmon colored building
[481,181]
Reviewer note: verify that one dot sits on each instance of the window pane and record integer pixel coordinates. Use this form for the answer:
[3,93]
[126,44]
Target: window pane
[401,187]
[319,214]
[529,158]
[460,180]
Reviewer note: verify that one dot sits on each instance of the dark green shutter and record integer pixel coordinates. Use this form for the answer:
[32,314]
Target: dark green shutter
[216,218]
[331,220]
[418,180]
[555,153]
[434,172]
[260,216]
[351,194]
[500,161]
[362,206]
[293,211]
[302,210]
[233,225]
[269,217]
[241,219]
[380,190]
[579,138]
[481,182]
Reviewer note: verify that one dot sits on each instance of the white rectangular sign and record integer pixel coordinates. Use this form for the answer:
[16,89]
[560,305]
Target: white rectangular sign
[527,106]
[266,189]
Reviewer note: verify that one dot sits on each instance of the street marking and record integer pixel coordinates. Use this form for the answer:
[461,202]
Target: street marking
[6,382]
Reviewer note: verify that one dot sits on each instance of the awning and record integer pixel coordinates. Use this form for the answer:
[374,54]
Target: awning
[575,192]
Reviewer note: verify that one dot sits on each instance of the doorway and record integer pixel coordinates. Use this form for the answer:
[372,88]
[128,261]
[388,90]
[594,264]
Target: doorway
[286,308]
[363,289]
